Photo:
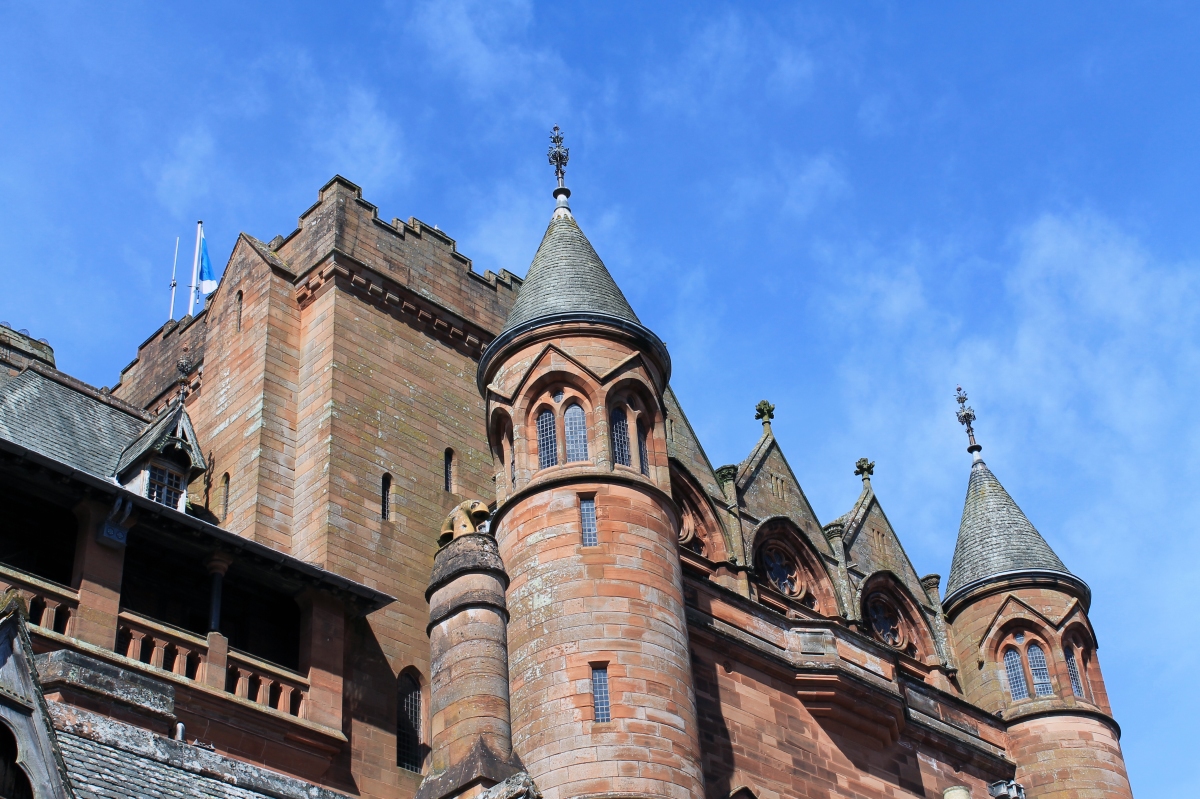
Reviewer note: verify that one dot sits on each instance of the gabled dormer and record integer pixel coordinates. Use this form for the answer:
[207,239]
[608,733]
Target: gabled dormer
[162,461]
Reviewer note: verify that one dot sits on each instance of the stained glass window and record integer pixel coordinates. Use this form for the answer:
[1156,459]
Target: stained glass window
[547,439]
[781,570]
[600,700]
[576,424]
[1073,671]
[1017,687]
[620,437]
[885,621]
[1037,667]
[587,518]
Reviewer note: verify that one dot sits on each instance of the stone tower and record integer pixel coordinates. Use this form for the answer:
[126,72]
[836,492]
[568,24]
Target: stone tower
[601,698]
[1026,649]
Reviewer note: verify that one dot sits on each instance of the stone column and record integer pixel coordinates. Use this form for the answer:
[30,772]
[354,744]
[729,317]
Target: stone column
[469,718]
[322,653]
[99,566]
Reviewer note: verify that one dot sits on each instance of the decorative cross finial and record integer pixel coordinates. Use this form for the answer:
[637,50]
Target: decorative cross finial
[764,411]
[559,156]
[966,416]
[864,468]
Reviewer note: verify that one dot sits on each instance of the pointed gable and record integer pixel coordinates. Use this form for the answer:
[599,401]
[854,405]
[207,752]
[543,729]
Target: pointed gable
[684,447]
[23,710]
[171,433]
[768,488]
[873,546]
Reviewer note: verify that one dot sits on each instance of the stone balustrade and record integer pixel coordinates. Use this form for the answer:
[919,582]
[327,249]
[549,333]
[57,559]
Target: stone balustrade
[161,646]
[51,606]
[265,683]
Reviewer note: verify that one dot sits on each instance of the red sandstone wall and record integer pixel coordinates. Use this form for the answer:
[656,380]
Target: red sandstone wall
[1069,757]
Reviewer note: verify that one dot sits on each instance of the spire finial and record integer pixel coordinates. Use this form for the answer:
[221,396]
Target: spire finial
[966,416]
[766,412]
[864,468]
[559,156]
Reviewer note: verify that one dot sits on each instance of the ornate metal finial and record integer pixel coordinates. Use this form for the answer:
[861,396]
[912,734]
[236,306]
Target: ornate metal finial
[966,417]
[864,469]
[559,156]
[764,411]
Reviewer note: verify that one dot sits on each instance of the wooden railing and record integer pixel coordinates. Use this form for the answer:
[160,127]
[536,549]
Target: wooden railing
[265,683]
[51,606]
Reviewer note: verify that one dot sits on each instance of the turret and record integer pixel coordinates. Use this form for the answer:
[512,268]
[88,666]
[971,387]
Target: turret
[1025,646]
[601,697]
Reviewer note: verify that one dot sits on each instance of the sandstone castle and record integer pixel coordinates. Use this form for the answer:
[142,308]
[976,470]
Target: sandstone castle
[373,524]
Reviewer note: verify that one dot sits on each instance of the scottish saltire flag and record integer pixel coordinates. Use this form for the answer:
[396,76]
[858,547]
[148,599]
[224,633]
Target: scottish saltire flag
[208,281]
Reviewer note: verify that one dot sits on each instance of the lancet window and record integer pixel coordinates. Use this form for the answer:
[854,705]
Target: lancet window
[620,437]
[643,456]
[408,723]
[1037,667]
[547,438]
[1073,672]
[575,422]
[1015,672]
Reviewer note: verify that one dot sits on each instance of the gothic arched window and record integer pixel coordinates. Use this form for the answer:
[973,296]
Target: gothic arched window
[408,723]
[576,428]
[620,437]
[13,782]
[885,621]
[1073,672]
[643,456]
[547,438]
[1017,687]
[1041,674]
[781,570]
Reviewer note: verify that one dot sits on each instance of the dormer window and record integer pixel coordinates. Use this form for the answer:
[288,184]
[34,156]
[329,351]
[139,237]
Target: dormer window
[165,486]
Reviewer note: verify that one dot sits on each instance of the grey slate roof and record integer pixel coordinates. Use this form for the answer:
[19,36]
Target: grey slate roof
[62,423]
[567,276]
[995,536]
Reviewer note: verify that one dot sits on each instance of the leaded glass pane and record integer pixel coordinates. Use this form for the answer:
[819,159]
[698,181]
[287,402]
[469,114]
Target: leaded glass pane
[408,724]
[576,424]
[587,517]
[547,439]
[1017,686]
[166,487]
[620,437]
[600,693]
[1041,675]
[643,457]
[1073,671]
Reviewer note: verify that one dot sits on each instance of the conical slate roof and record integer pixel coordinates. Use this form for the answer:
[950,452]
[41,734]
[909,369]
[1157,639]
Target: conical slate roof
[567,276]
[994,536]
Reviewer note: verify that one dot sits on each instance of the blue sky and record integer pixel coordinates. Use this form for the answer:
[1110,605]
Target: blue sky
[846,209]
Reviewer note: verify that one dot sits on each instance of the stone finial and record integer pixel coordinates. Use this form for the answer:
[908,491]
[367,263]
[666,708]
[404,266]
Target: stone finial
[864,469]
[463,520]
[966,417]
[766,412]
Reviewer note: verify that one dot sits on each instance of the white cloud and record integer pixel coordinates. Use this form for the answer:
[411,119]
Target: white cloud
[184,176]
[359,140]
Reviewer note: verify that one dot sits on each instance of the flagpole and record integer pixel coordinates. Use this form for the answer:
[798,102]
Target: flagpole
[195,267]
[174,264]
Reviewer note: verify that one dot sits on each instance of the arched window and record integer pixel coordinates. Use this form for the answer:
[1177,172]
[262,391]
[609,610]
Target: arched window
[1073,671]
[547,438]
[408,723]
[13,782]
[643,456]
[1041,674]
[239,312]
[620,437]
[1017,687]
[225,496]
[448,470]
[576,424]
[385,497]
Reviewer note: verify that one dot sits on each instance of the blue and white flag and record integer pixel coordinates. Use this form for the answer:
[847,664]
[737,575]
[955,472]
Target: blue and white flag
[208,281]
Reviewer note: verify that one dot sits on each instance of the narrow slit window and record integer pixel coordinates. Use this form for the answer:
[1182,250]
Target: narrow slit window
[448,470]
[575,422]
[239,312]
[385,497]
[166,487]
[600,699]
[1073,672]
[408,724]
[1017,687]
[225,497]
[620,437]
[643,456]
[512,462]
[587,517]
[1041,674]
[547,439]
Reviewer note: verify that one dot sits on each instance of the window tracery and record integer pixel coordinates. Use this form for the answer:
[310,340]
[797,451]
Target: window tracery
[886,622]
[781,570]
